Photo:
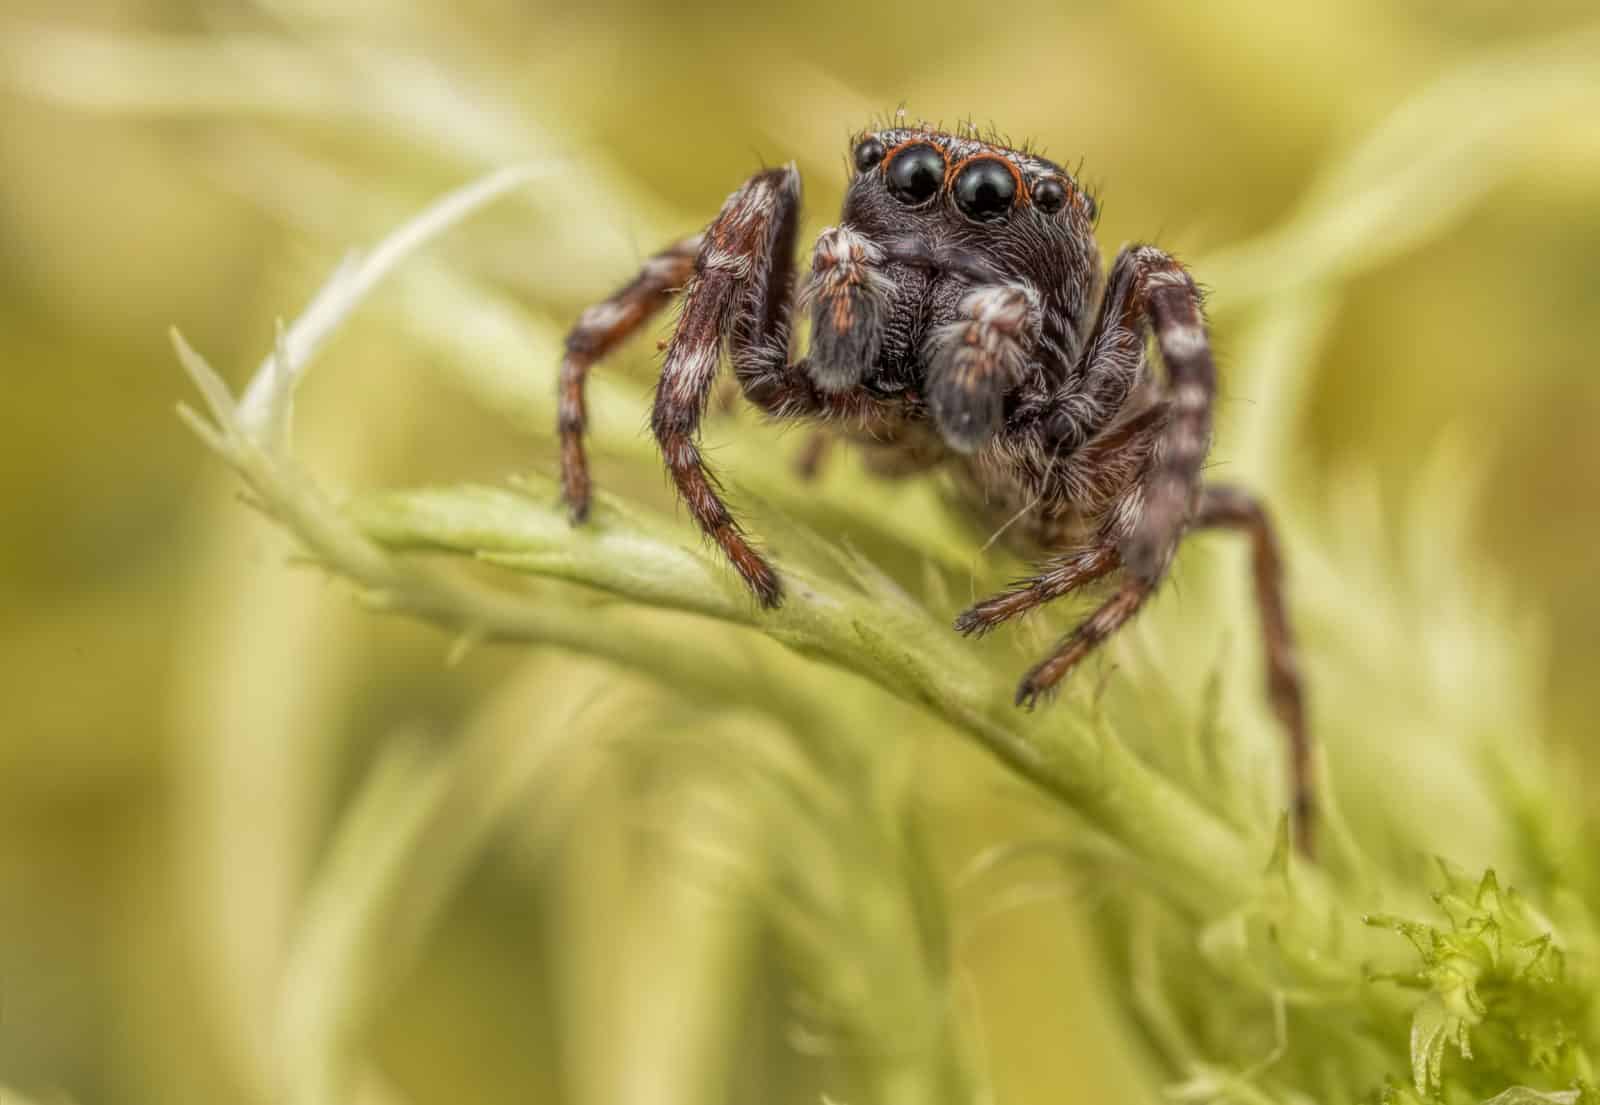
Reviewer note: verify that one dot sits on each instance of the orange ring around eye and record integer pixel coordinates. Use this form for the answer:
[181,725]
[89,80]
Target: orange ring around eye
[896,151]
[953,171]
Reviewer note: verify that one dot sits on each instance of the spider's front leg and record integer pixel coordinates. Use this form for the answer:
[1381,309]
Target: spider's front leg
[739,294]
[1172,303]
[1137,475]
[1155,459]
[1108,476]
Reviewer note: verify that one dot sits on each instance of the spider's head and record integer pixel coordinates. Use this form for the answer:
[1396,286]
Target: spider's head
[963,182]
[935,215]
[962,197]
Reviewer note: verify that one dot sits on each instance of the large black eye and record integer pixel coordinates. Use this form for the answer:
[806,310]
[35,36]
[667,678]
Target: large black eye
[916,174]
[985,189]
[869,151]
[1049,195]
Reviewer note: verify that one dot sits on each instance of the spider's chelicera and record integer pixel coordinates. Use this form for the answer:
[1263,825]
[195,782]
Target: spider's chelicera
[959,319]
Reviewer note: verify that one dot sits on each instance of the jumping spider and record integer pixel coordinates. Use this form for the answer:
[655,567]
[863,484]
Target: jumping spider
[959,319]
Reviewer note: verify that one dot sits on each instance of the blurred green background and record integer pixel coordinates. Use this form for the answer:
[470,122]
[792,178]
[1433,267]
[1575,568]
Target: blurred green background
[188,714]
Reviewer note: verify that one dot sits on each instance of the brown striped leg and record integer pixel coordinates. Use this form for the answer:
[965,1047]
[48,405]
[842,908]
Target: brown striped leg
[1060,420]
[1104,480]
[1112,616]
[1173,304]
[975,361]
[739,294]
[1060,576]
[1223,507]
[1114,356]
[1063,418]
[598,331]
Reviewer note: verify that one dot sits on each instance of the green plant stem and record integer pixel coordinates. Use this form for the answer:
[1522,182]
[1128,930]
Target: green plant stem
[893,642]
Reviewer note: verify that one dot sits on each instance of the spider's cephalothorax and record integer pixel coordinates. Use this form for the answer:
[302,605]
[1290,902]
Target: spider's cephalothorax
[959,319]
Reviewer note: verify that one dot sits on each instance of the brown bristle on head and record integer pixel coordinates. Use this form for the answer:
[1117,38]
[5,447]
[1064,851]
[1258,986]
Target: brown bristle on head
[964,145]
[969,141]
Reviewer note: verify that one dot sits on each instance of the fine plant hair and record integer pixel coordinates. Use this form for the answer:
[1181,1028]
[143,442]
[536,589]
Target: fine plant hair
[1249,975]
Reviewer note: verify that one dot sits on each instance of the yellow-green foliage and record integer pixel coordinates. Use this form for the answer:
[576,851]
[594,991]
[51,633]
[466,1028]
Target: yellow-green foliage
[1497,988]
[641,841]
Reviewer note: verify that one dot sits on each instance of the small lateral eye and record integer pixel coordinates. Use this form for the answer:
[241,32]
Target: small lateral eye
[868,152]
[985,189]
[916,174]
[1049,195]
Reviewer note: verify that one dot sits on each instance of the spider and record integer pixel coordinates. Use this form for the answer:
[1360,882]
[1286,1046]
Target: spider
[959,320]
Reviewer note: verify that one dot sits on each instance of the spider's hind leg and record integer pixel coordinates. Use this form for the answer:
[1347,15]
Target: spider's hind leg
[1223,507]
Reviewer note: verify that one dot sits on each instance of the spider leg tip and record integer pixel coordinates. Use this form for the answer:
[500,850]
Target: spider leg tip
[1303,824]
[767,588]
[1031,693]
[577,510]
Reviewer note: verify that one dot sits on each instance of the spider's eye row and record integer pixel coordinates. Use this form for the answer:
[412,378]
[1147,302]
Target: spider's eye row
[1050,195]
[984,190]
[868,152]
[916,174]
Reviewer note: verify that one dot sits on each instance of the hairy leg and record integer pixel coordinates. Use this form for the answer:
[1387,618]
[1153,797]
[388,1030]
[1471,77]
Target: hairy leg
[1224,507]
[1106,479]
[598,331]
[1147,293]
[739,295]
[1112,615]
[1058,577]
[1113,358]
[1101,480]
[1173,304]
